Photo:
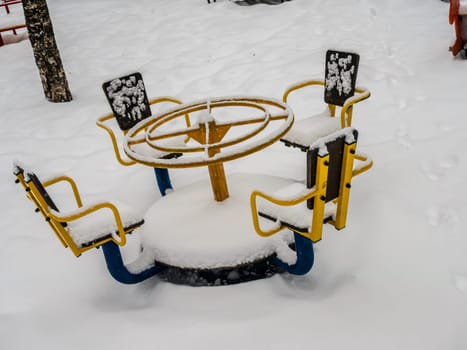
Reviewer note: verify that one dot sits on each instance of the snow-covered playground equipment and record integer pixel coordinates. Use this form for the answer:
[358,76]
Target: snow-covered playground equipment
[458,18]
[129,103]
[12,23]
[232,227]
[253,2]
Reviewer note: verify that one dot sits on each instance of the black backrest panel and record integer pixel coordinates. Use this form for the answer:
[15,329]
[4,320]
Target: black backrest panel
[336,151]
[128,99]
[340,76]
[35,180]
[17,169]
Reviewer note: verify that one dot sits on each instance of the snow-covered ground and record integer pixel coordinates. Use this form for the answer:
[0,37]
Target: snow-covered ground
[395,278]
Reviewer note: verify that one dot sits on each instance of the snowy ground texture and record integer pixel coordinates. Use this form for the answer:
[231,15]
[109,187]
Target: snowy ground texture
[395,278]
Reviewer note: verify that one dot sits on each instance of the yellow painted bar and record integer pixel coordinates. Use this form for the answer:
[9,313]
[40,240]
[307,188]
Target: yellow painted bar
[57,227]
[72,184]
[101,123]
[320,199]
[346,110]
[218,182]
[344,188]
[319,194]
[254,211]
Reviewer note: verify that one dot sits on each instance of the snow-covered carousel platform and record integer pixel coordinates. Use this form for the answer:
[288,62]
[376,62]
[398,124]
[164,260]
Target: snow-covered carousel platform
[203,241]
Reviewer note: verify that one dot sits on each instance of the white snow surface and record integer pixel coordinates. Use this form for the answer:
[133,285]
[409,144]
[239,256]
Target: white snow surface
[203,233]
[463,7]
[307,130]
[394,278]
[15,17]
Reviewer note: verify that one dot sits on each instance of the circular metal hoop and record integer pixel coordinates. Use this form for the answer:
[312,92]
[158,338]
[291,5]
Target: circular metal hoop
[208,133]
[151,139]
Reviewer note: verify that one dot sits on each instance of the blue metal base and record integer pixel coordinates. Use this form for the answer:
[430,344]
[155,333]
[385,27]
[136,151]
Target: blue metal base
[163,180]
[262,268]
[118,270]
[305,257]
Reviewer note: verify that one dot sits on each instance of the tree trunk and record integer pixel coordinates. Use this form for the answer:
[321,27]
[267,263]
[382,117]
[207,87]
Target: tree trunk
[45,50]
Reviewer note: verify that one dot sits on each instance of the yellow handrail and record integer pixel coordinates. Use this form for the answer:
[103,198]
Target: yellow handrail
[367,164]
[72,184]
[347,109]
[101,123]
[91,209]
[318,192]
[360,95]
[113,138]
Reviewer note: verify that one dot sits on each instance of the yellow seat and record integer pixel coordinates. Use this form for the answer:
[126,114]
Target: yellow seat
[84,227]
[305,207]
[339,91]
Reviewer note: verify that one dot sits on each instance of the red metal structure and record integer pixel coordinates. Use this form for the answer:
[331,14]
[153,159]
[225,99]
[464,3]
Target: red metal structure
[7,3]
[458,18]
[13,28]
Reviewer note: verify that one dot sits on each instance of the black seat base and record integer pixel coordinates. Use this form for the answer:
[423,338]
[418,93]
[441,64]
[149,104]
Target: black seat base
[128,230]
[302,148]
[259,269]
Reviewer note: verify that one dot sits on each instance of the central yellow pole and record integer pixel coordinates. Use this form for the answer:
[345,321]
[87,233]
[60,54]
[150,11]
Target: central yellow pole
[214,134]
[218,182]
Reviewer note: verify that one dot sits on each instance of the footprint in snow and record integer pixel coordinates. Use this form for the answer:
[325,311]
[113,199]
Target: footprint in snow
[437,169]
[460,282]
[442,216]
[402,136]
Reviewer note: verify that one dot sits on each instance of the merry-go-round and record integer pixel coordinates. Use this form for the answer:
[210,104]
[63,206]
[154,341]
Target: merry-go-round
[228,227]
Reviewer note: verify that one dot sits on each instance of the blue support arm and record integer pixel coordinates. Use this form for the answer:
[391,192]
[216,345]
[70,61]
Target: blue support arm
[305,257]
[119,271]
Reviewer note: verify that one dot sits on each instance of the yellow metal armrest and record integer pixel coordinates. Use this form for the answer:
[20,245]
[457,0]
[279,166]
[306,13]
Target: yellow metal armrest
[360,95]
[282,202]
[84,211]
[306,83]
[72,184]
[100,123]
[299,86]
[367,163]
[317,217]
[102,120]
[347,109]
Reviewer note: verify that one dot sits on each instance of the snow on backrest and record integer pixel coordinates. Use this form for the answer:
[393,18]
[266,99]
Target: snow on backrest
[340,76]
[128,99]
[334,145]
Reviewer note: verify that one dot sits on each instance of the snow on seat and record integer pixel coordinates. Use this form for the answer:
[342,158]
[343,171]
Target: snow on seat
[87,226]
[306,131]
[296,217]
[96,226]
